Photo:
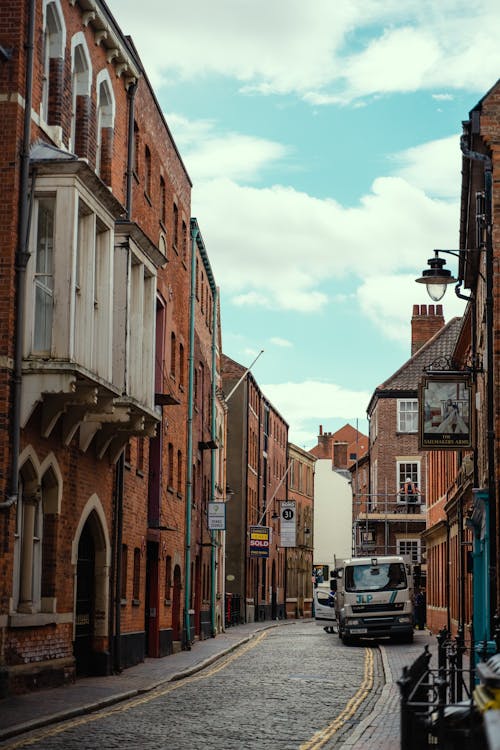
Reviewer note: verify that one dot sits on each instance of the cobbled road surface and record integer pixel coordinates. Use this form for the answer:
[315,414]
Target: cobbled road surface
[289,688]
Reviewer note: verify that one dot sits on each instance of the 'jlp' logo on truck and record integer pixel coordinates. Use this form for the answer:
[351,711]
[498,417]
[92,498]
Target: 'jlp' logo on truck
[360,599]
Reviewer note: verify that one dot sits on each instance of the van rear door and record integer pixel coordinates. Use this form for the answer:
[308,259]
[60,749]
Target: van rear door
[324,611]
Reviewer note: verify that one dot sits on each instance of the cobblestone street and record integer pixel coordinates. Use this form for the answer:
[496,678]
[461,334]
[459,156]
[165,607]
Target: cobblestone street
[288,688]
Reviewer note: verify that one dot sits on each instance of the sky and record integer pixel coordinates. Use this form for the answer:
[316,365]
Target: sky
[322,140]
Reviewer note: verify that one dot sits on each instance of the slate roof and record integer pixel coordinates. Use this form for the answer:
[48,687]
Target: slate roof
[409,375]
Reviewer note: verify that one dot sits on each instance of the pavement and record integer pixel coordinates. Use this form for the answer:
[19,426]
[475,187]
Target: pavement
[379,729]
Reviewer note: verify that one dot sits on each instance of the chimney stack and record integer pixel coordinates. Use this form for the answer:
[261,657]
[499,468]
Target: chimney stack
[426,321]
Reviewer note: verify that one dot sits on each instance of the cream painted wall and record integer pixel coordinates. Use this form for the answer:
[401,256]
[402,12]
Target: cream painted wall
[332,514]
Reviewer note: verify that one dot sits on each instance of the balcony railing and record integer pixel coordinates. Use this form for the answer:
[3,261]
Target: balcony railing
[392,509]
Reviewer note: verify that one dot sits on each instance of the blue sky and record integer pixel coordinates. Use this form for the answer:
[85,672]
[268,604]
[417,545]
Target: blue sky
[322,139]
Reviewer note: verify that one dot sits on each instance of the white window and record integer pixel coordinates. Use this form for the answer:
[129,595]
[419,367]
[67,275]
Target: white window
[70,268]
[407,415]
[44,274]
[410,547]
[407,471]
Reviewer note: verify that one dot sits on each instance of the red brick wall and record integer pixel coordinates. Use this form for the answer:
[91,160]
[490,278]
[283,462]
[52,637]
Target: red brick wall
[426,321]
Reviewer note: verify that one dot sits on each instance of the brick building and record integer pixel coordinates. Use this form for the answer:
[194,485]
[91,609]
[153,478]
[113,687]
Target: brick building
[464,535]
[257,439]
[299,558]
[385,519]
[101,425]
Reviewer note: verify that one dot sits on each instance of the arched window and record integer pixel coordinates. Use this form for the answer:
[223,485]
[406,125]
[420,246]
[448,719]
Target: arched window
[54,41]
[81,75]
[105,121]
[163,202]
[147,172]
[172,354]
[179,472]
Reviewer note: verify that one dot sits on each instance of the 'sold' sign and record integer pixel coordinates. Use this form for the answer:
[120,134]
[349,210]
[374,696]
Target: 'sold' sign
[259,541]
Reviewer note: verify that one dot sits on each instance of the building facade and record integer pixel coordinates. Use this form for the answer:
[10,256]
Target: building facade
[335,453]
[299,557]
[388,520]
[112,413]
[257,471]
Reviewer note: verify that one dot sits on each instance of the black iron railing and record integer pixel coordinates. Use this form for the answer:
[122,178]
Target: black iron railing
[437,704]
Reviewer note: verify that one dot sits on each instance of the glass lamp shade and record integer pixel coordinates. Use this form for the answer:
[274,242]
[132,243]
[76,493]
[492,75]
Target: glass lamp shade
[436,291]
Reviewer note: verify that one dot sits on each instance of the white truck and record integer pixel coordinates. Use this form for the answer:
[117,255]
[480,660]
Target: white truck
[374,598]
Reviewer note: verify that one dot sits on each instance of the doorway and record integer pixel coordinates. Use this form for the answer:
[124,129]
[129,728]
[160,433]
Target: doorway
[85,602]
[176,605]
[152,622]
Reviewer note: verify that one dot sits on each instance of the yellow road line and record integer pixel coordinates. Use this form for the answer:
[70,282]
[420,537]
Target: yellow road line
[323,735]
[151,695]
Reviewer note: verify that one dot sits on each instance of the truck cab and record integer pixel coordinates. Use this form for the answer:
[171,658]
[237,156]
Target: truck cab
[374,598]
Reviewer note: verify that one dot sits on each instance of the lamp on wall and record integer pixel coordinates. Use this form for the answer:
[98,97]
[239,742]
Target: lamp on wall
[436,277]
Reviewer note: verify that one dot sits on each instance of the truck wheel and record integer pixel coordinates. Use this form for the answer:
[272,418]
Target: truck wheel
[346,640]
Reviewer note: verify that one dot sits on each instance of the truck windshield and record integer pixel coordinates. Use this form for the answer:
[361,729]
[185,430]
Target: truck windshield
[382,577]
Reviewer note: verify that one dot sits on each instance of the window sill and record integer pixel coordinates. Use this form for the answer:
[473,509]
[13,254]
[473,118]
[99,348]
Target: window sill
[167,602]
[38,619]
[136,602]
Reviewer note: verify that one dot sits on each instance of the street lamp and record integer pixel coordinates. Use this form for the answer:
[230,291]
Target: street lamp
[436,277]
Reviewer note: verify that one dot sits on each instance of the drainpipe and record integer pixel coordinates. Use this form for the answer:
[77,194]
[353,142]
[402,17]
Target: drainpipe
[189,468]
[120,465]
[131,91]
[21,261]
[213,548]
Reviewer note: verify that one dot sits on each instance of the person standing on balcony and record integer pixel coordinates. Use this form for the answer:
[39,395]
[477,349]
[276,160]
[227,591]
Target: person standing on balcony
[411,494]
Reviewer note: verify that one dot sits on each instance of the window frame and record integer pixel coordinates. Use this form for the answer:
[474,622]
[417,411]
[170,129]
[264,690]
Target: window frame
[404,415]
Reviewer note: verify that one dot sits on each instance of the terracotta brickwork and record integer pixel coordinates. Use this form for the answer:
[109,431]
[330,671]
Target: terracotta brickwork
[257,466]
[91,506]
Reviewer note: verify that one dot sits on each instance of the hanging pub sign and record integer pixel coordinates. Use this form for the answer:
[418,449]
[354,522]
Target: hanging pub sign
[288,523]
[445,409]
[259,541]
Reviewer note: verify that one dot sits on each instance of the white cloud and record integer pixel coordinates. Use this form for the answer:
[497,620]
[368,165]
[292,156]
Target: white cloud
[315,400]
[384,301]
[443,97]
[299,244]
[434,167]
[309,49]
[277,341]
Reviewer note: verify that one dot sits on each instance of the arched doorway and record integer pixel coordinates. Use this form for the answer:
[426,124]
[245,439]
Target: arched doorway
[91,559]
[85,602]
[176,605]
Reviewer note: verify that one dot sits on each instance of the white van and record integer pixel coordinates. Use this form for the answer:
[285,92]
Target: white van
[324,608]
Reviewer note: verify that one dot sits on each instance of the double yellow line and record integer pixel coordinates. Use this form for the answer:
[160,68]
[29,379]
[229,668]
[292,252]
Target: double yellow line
[317,740]
[321,737]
